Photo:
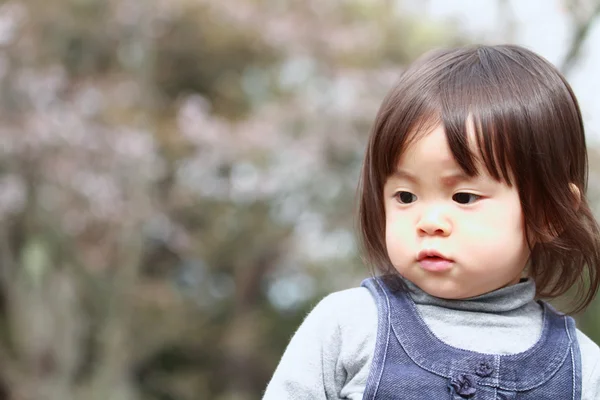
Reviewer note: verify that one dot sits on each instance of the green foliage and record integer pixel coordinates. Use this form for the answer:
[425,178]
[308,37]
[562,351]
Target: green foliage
[199,53]
[177,185]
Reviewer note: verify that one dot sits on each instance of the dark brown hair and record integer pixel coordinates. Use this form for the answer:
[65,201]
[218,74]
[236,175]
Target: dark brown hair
[529,133]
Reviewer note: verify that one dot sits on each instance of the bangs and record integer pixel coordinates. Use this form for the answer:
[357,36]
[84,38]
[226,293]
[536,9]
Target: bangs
[490,104]
[475,140]
[479,132]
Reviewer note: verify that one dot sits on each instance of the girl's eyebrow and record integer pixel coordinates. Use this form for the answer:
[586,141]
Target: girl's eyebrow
[455,177]
[447,179]
[403,174]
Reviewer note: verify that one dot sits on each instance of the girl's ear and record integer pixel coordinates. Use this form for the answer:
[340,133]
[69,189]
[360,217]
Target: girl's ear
[576,194]
[551,232]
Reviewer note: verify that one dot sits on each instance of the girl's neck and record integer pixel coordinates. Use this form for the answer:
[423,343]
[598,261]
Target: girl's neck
[505,299]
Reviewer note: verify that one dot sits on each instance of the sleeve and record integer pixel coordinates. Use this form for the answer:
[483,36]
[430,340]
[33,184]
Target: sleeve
[590,367]
[305,369]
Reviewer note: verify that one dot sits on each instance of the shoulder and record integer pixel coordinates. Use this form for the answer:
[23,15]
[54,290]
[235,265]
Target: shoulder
[590,366]
[588,344]
[351,316]
[355,313]
[329,349]
[350,303]
[590,352]
[344,313]
[355,310]
[351,312]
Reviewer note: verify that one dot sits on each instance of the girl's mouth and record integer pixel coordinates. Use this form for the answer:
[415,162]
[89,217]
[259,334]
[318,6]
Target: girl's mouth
[433,261]
[435,264]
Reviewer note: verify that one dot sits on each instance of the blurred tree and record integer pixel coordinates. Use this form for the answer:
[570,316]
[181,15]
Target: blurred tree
[583,15]
[177,184]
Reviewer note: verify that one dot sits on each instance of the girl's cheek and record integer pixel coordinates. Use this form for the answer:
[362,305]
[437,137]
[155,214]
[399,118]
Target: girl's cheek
[398,229]
[492,223]
[394,229]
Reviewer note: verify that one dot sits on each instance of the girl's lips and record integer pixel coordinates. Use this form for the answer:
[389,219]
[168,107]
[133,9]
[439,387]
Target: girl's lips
[435,264]
[433,261]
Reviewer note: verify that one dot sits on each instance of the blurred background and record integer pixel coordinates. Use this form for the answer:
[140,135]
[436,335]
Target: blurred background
[177,177]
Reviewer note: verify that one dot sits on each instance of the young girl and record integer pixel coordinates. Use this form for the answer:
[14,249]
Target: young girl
[472,206]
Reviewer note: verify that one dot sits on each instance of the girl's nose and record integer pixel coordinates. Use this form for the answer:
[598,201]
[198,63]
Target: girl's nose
[434,222]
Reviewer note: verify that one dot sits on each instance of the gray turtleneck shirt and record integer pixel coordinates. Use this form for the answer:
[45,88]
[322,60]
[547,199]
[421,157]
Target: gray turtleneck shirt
[330,355]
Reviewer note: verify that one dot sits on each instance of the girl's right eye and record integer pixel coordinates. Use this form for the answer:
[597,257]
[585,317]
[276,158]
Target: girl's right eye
[405,197]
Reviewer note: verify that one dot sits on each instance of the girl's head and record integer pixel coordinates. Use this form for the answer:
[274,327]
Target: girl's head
[475,171]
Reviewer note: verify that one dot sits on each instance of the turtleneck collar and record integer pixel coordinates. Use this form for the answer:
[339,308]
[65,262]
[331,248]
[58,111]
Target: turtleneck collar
[505,299]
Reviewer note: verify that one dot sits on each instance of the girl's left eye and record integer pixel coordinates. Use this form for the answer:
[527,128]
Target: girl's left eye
[465,198]
[405,197]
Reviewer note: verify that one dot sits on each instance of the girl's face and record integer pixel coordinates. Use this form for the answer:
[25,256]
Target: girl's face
[452,235]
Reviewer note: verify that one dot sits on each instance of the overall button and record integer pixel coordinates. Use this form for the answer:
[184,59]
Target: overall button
[484,370]
[463,385]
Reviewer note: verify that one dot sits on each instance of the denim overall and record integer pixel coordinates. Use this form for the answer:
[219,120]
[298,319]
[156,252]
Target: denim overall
[411,363]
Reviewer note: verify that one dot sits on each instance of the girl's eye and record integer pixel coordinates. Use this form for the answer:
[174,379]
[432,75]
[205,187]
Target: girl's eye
[406,197]
[465,198]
